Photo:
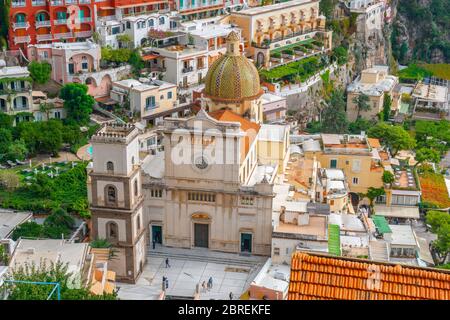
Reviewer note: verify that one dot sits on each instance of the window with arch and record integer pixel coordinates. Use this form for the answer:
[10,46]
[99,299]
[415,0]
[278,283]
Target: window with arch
[111,195]
[20,18]
[138,222]
[112,231]
[84,63]
[110,166]
[41,16]
[136,190]
[132,160]
[151,23]
[162,20]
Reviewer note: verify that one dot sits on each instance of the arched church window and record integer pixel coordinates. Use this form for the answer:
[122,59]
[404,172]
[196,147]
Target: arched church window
[109,166]
[112,231]
[135,188]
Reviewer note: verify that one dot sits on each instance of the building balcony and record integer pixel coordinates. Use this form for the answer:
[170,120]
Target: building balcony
[70,2]
[60,22]
[151,107]
[83,34]
[57,2]
[40,24]
[85,1]
[36,3]
[86,19]
[65,35]
[44,37]
[23,39]
[18,4]
[21,25]
[188,69]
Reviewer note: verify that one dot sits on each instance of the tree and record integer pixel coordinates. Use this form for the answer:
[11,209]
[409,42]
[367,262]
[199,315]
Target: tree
[40,71]
[71,287]
[359,125]
[58,218]
[28,229]
[362,103]
[388,177]
[426,154]
[394,137]
[340,55]
[9,180]
[387,103]
[46,107]
[77,102]
[372,194]
[5,140]
[17,151]
[136,61]
[334,117]
[6,121]
[51,140]
[440,225]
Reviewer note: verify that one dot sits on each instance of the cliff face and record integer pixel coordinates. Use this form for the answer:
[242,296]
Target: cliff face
[421,31]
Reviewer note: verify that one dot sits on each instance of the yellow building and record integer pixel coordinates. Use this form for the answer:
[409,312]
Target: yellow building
[271,27]
[375,83]
[350,153]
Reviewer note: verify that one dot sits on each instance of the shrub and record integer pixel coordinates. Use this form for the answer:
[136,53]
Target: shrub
[276,55]
[40,71]
[288,51]
[388,177]
[100,243]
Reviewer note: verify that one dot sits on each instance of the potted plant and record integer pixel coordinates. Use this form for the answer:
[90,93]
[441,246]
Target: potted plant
[102,247]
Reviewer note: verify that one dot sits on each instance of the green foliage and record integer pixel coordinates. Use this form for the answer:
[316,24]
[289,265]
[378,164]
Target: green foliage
[100,243]
[28,229]
[77,102]
[373,193]
[5,140]
[440,225]
[387,103]
[334,117]
[40,71]
[388,177]
[70,283]
[314,127]
[413,73]
[136,61]
[340,54]
[394,137]
[327,7]
[68,190]
[41,137]
[362,103]
[305,68]
[359,125]
[6,121]
[4,22]
[425,154]
[121,55]
[433,135]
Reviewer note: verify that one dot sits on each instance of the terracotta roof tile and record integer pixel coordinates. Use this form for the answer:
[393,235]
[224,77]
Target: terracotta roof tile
[319,276]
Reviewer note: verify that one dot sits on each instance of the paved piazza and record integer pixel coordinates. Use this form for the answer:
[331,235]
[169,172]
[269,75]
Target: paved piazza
[183,276]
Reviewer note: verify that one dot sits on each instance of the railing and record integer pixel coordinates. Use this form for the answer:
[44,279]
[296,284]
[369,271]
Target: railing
[60,21]
[85,1]
[83,34]
[44,37]
[188,69]
[36,3]
[71,1]
[16,4]
[63,35]
[57,2]
[106,18]
[86,19]
[23,39]
[21,25]
[43,23]
[152,107]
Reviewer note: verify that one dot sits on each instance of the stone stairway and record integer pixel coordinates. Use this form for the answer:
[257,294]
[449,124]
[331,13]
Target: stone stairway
[205,255]
[378,250]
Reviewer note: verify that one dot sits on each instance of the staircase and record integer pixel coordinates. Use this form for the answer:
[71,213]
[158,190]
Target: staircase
[378,250]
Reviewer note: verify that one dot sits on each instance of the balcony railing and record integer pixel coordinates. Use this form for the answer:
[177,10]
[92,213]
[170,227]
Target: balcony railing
[83,34]
[36,3]
[44,37]
[85,1]
[43,24]
[60,21]
[86,19]
[23,39]
[57,2]
[188,69]
[65,35]
[71,1]
[151,106]
[17,4]
[21,25]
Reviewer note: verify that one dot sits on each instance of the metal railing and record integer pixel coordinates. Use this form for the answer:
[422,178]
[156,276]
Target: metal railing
[45,23]
[16,4]
[83,34]
[21,25]
[60,21]
[23,39]
[86,19]
[44,37]
[57,2]
[36,3]
[63,35]
[188,69]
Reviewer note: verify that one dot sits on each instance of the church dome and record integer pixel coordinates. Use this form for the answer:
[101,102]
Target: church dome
[232,77]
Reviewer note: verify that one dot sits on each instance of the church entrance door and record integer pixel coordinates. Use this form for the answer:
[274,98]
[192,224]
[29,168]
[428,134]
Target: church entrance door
[157,234]
[246,242]
[201,235]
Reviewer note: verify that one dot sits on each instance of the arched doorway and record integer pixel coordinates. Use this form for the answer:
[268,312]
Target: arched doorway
[201,222]
[260,59]
[354,198]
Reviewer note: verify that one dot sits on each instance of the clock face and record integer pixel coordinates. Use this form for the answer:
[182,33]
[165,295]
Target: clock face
[201,163]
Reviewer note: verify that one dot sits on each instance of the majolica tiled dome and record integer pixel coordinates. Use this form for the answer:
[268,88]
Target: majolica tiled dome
[232,77]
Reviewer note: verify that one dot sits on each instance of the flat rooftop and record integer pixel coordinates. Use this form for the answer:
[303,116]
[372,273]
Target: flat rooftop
[50,250]
[402,235]
[213,31]
[317,227]
[430,92]
[9,220]
[16,71]
[347,222]
[297,174]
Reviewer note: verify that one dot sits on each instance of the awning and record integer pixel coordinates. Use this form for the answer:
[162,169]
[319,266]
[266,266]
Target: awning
[397,212]
[149,57]
[106,100]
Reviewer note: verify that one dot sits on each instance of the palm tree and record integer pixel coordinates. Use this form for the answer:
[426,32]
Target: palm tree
[362,103]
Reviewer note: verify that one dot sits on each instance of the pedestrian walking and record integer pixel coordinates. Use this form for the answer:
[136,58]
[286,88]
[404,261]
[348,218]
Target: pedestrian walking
[204,286]
[210,283]
[167,283]
[164,283]
[154,244]
[231,295]
[167,263]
